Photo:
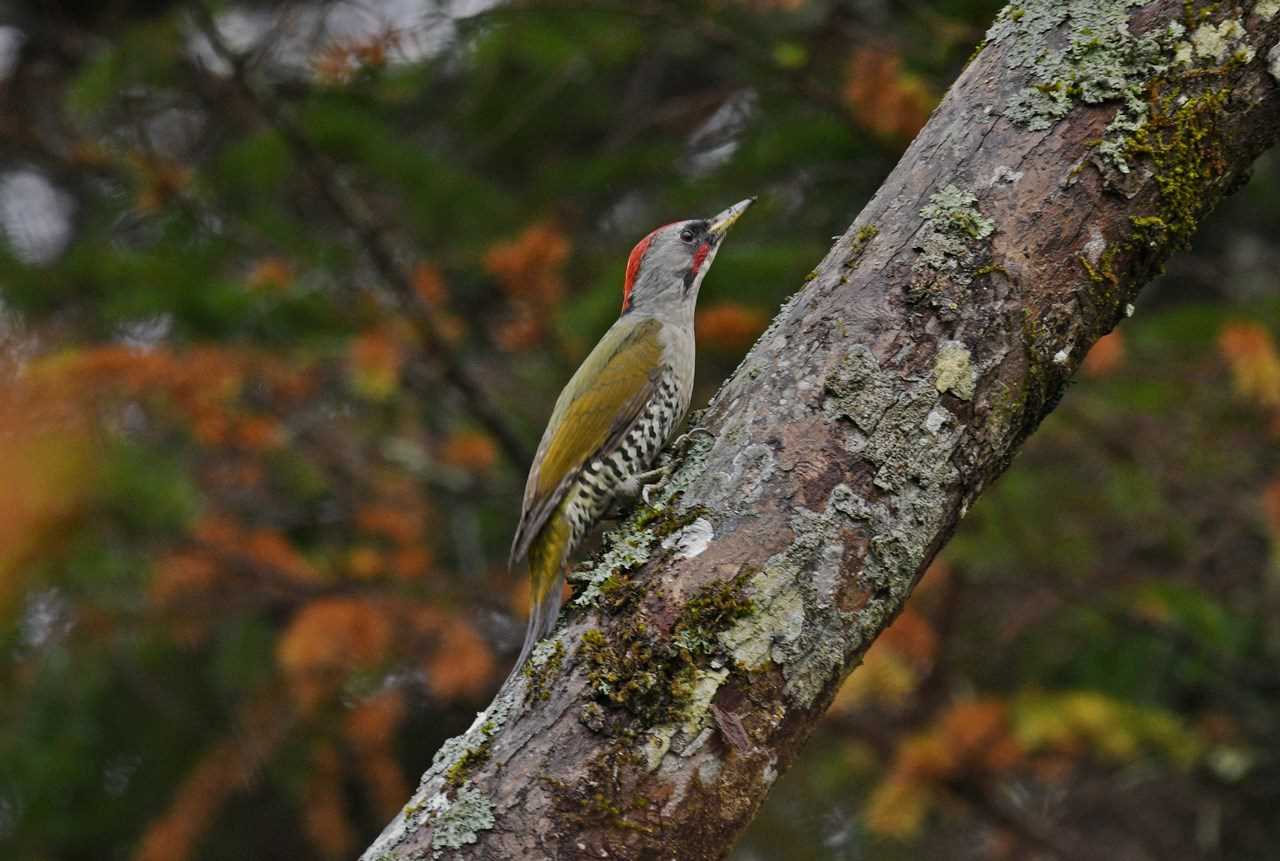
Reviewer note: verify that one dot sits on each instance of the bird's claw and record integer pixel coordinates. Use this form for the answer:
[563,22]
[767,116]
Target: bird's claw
[685,439]
[663,473]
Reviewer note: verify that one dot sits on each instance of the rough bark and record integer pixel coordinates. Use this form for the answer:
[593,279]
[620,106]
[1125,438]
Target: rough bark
[1079,147]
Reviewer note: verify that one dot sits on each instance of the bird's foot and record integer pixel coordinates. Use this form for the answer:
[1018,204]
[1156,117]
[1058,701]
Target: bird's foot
[681,443]
[642,484]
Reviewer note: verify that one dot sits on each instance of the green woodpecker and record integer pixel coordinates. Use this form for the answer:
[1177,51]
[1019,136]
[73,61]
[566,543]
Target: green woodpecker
[619,409]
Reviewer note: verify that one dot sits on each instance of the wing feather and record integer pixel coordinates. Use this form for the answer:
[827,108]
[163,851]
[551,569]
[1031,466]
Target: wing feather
[624,370]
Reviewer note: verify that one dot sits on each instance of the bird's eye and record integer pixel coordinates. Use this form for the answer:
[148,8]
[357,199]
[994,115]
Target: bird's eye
[686,235]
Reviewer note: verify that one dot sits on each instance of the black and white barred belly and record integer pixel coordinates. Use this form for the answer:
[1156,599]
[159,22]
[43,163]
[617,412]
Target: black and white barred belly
[594,490]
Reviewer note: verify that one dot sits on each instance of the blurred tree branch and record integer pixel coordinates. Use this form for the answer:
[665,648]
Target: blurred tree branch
[352,212]
[929,343]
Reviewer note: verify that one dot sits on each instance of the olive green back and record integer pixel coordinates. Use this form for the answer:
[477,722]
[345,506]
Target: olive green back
[595,410]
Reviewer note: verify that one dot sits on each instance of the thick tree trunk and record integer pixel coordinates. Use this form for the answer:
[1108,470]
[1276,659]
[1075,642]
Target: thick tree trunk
[1079,147]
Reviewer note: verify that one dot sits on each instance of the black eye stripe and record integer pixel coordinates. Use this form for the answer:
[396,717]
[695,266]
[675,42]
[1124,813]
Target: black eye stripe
[693,231]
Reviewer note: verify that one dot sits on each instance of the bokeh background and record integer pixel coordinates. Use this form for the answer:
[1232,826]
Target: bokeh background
[286,294]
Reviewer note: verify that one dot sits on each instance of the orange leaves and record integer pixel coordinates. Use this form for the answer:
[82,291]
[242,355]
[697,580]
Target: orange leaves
[263,549]
[1255,366]
[401,528]
[884,98]
[461,663]
[47,462]
[180,584]
[729,326]
[371,729]
[1271,505]
[328,640]
[340,61]
[202,385]
[271,274]
[530,269]
[160,180]
[469,450]
[971,737]
[324,809]
[429,286]
[900,658]
[399,525]
[1106,356]
[376,358]
[893,665]
[331,638]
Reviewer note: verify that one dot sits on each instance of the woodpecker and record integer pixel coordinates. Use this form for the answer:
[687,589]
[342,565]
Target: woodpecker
[619,409]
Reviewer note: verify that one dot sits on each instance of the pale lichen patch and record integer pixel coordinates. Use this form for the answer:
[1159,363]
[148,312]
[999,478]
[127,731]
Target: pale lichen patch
[950,245]
[626,549]
[953,370]
[953,212]
[1266,9]
[1098,61]
[1273,63]
[690,732]
[1096,246]
[779,618]
[1216,42]
[456,823]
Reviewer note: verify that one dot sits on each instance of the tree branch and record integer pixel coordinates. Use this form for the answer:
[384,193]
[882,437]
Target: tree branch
[1068,160]
[352,212]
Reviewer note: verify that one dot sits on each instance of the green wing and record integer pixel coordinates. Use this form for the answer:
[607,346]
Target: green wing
[594,412]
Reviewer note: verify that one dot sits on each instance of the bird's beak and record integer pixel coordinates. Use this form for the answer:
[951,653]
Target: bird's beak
[721,223]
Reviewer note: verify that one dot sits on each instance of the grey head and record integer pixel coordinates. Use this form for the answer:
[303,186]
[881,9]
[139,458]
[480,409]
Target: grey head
[666,268]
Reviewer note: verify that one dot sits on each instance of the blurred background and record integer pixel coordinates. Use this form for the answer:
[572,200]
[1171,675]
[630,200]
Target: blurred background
[286,294]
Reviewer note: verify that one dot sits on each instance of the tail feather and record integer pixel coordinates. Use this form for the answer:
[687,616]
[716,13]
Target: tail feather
[546,580]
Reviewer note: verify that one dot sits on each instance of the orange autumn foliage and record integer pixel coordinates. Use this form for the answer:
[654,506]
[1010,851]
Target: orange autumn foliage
[1106,356]
[160,180]
[376,359]
[729,326]
[400,525]
[202,385]
[461,662]
[970,737]
[338,62]
[428,283]
[271,273]
[182,582]
[1271,504]
[530,266]
[371,729]
[892,667]
[1251,354]
[469,450]
[49,462]
[325,816]
[523,331]
[429,286]
[530,269]
[911,636]
[410,562]
[884,98]
[329,639]
[263,549]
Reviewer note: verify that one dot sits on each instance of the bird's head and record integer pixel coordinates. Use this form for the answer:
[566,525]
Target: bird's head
[666,268]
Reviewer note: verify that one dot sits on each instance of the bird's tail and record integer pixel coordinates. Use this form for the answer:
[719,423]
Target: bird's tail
[546,585]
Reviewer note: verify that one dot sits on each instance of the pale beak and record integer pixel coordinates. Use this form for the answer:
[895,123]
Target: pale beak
[721,223]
